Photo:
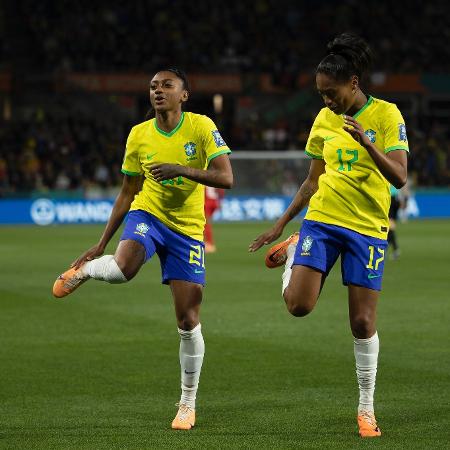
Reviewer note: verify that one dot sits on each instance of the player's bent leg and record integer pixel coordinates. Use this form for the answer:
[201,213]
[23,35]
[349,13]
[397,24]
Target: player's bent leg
[120,268]
[362,312]
[129,256]
[309,256]
[302,292]
[187,298]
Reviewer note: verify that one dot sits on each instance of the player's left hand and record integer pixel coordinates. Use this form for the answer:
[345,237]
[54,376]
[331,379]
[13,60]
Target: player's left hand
[356,131]
[164,171]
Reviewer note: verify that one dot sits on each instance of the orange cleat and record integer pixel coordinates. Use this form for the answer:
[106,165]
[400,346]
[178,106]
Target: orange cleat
[277,255]
[67,282]
[185,418]
[368,425]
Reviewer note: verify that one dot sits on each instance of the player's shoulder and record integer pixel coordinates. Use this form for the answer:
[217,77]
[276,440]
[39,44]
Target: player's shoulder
[383,106]
[328,118]
[141,128]
[324,114]
[197,120]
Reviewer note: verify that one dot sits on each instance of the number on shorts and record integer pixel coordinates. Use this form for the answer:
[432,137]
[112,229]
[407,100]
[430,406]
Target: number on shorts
[197,256]
[372,255]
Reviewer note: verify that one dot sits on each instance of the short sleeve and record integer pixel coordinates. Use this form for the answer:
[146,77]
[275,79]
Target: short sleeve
[314,146]
[213,143]
[131,165]
[394,131]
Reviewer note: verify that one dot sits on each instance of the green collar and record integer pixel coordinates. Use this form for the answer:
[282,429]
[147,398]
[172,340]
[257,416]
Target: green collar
[164,133]
[369,101]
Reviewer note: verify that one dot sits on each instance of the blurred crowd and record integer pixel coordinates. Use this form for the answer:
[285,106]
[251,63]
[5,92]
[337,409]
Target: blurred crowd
[229,36]
[84,155]
[49,153]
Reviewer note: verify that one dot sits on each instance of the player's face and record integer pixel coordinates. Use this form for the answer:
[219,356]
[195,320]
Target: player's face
[337,95]
[167,92]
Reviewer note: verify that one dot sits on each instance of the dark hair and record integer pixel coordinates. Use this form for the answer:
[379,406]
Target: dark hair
[179,74]
[347,55]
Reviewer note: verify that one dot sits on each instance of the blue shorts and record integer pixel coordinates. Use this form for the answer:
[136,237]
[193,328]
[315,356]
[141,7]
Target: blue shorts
[181,257]
[362,257]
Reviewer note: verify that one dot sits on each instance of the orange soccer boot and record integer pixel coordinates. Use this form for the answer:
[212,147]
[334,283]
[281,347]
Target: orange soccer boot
[277,255]
[185,418]
[67,282]
[368,425]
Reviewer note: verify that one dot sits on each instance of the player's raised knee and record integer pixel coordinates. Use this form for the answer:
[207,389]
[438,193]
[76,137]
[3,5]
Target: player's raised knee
[299,309]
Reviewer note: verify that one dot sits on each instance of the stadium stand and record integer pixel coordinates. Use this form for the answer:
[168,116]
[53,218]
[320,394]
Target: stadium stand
[49,142]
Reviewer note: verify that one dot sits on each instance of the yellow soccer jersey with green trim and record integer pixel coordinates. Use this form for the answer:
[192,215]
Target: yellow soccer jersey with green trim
[352,192]
[178,203]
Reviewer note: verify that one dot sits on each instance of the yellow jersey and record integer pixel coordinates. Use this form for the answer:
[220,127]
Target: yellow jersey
[178,203]
[352,192]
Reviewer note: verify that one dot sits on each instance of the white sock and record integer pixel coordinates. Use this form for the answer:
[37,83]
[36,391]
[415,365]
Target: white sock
[192,350]
[104,269]
[288,267]
[366,357]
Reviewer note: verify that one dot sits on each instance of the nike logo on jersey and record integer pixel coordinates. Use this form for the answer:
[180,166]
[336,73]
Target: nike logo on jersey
[372,275]
[328,138]
[151,155]
[198,271]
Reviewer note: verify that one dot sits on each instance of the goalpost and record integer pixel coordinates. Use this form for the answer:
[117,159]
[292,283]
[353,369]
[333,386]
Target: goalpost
[265,182]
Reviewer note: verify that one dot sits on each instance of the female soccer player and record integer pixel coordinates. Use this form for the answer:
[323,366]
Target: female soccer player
[358,146]
[168,161]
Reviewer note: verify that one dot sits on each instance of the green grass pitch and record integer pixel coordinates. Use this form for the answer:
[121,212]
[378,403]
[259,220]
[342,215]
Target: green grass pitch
[99,370]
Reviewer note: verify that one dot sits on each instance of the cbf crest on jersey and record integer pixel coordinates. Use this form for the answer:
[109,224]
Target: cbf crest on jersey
[218,138]
[371,134]
[306,245]
[402,132]
[141,229]
[190,149]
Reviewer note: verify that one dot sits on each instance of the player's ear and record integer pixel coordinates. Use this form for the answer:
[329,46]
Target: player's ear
[185,96]
[354,83]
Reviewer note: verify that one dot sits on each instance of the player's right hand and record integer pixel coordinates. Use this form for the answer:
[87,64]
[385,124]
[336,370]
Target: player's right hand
[92,253]
[266,238]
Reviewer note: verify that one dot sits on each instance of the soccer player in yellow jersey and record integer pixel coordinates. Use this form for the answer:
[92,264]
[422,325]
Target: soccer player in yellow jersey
[168,161]
[358,146]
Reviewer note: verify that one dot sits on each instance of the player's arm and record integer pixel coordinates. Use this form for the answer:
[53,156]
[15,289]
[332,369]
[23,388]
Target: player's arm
[393,165]
[219,173]
[301,199]
[131,185]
